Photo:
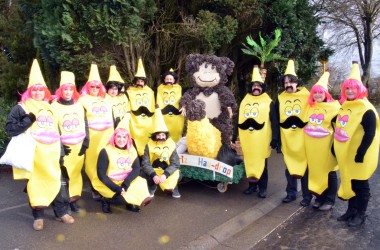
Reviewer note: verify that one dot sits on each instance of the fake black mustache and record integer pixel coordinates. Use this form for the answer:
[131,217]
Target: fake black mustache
[142,111]
[293,122]
[288,87]
[171,110]
[251,123]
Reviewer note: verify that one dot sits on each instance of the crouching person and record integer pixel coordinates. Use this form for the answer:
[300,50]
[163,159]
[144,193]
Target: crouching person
[118,171]
[160,163]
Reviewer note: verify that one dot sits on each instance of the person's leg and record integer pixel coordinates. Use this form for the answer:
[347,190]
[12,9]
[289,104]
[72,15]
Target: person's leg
[330,193]
[363,195]
[176,193]
[263,182]
[291,187]
[306,195]
[61,205]
[352,205]
[38,223]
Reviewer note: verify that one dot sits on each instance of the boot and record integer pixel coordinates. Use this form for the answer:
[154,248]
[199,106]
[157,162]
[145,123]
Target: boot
[106,208]
[252,188]
[348,215]
[357,219]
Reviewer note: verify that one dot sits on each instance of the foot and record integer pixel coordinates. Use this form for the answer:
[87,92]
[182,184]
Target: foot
[326,206]
[152,190]
[133,208]
[38,224]
[74,207]
[348,215]
[288,199]
[67,219]
[95,195]
[305,203]
[262,194]
[250,190]
[176,194]
[106,208]
[357,220]
[317,204]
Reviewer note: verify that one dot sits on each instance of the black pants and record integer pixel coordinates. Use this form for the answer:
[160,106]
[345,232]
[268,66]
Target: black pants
[329,194]
[360,201]
[291,187]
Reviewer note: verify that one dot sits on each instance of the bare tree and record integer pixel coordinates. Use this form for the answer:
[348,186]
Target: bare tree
[354,24]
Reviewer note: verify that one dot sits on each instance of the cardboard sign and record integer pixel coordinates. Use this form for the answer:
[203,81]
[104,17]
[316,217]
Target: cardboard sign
[206,163]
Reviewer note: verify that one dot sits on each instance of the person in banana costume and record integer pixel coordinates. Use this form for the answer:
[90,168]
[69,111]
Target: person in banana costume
[322,164]
[258,132]
[168,96]
[118,169]
[98,110]
[160,163]
[74,133]
[141,101]
[292,110]
[35,115]
[356,145]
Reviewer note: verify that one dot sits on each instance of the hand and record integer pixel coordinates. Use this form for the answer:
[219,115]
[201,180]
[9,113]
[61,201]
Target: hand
[122,191]
[229,109]
[359,158]
[163,178]
[274,144]
[156,179]
[183,111]
[82,150]
[66,149]
[32,117]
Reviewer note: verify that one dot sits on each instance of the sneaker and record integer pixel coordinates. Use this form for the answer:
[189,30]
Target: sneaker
[357,220]
[326,206]
[305,203]
[38,224]
[67,219]
[262,194]
[317,204]
[152,190]
[250,190]
[288,199]
[176,194]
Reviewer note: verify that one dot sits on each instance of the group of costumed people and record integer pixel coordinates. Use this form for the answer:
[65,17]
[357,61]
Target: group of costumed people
[93,128]
[127,138]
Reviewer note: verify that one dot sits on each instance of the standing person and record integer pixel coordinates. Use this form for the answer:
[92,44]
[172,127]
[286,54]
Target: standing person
[292,110]
[356,145]
[74,133]
[118,170]
[322,164]
[35,114]
[169,94]
[141,101]
[98,112]
[258,132]
[160,163]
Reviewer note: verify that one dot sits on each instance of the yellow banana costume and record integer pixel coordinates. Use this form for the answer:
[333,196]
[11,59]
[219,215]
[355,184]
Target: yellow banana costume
[255,141]
[293,117]
[318,143]
[168,97]
[119,167]
[348,136]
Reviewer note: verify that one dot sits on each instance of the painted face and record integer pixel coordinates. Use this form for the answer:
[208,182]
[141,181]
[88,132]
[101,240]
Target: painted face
[113,91]
[70,134]
[314,128]
[251,113]
[94,90]
[319,96]
[43,129]
[292,111]
[100,121]
[162,153]
[343,117]
[290,87]
[256,89]
[38,94]
[169,98]
[67,93]
[351,93]
[207,75]
[169,80]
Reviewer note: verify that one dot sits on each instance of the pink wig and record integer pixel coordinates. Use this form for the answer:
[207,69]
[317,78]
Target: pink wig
[319,89]
[122,131]
[86,88]
[58,92]
[27,94]
[354,84]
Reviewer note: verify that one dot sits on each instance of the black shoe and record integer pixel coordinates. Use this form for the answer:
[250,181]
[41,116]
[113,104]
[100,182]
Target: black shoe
[305,203]
[74,207]
[288,199]
[348,215]
[317,204]
[250,190]
[262,194]
[133,208]
[106,208]
[357,220]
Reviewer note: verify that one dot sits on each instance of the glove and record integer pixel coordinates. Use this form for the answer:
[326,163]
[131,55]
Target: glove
[359,158]
[32,117]
[274,144]
[82,150]
[61,161]
[66,149]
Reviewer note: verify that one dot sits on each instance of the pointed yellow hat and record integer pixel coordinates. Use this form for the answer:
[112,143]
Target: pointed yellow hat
[114,75]
[324,80]
[67,77]
[256,77]
[159,124]
[171,70]
[94,73]
[290,69]
[35,76]
[355,72]
[140,69]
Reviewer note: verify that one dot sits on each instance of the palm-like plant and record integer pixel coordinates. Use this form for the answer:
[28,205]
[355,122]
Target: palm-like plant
[263,51]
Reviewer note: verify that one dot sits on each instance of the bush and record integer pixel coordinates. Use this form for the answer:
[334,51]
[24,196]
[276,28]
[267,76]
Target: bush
[5,108]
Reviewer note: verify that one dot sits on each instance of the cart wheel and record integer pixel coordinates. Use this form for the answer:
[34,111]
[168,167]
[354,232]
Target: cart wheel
[222,187]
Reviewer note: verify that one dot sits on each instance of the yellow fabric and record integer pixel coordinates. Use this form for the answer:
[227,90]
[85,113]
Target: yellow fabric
[159,122]
[100,125]
[171,95]
[114,75]
[161,151]
[290,68]
[345,151]
[94,73]
[324,80]
[205,140]
[45,180]
[171,182]
[138,192]
[35,76]
[73,132]
[255,144]
[318,142]
[67,77]
[140,69]
[292,139]
[256,77]
[141,126]
[355,72]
